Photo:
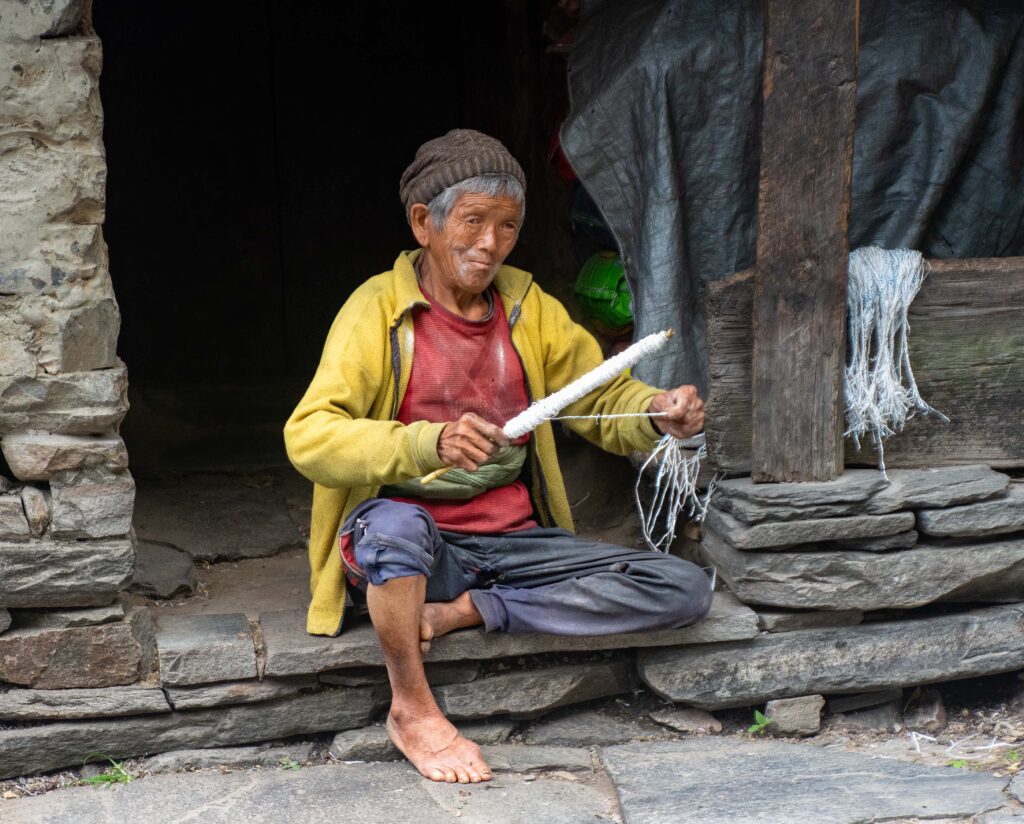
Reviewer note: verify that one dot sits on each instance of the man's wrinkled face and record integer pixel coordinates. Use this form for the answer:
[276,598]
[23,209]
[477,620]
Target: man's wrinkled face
[479,234]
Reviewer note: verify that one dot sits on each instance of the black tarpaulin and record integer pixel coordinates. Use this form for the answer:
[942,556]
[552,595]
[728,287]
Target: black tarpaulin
[665,134]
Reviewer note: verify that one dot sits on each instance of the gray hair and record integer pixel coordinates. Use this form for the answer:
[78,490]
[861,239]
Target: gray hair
[492,185]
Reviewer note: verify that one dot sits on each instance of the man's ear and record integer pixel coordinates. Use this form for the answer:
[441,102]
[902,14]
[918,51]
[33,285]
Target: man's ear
[419,217]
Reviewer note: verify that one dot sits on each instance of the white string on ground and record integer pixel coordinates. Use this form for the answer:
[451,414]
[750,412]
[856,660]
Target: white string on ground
[881,393]
[675,491]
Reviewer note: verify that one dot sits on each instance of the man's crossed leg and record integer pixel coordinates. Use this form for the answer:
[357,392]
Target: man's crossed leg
[421,583]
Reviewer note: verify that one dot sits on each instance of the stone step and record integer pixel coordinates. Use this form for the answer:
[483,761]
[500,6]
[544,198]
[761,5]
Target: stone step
[35,749]
[291,651]
[203,649]
[840,660]
[990,571]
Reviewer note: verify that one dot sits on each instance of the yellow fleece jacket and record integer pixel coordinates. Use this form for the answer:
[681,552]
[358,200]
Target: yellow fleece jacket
[343,435]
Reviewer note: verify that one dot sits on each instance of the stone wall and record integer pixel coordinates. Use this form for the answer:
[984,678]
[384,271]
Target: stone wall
[65,491]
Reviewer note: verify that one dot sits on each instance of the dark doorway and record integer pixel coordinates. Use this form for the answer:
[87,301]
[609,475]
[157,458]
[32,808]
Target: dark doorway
[254,152]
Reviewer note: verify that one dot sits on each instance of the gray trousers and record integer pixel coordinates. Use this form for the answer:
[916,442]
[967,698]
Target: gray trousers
[536,580]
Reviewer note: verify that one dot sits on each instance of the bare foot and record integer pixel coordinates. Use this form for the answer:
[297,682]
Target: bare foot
[443,617]
[436,748]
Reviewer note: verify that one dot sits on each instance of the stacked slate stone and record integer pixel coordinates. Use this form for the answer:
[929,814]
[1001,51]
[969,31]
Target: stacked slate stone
[225,680]
[65,491]
[860,584]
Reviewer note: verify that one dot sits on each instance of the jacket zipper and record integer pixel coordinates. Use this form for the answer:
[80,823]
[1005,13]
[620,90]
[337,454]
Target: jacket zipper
[534,459]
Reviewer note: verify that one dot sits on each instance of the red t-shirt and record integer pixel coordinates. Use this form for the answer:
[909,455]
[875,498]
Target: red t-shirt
[461,366]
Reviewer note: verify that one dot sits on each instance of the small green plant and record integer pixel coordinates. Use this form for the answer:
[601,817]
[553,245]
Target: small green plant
[115,774]
[761,722]
[960,764]
[1013,756]
[289,763]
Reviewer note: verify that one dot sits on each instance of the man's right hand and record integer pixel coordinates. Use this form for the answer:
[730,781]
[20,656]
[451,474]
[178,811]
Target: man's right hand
[469,442]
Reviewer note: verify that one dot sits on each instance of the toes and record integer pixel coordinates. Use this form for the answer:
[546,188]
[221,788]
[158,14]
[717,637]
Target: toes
[450,776]
[434,774]
[463,776]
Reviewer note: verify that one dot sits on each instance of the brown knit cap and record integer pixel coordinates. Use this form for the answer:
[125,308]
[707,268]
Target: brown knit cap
[445,161]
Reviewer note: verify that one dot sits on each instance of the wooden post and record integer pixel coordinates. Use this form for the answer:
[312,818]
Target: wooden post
[810,68]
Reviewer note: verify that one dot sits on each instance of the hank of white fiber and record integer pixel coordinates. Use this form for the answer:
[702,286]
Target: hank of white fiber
[547,408]
[879,386]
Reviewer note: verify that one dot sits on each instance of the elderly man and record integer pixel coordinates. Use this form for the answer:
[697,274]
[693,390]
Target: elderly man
[422,366]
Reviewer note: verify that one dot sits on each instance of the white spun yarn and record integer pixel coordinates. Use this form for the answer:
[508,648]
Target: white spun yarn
[547,408]
[881,393]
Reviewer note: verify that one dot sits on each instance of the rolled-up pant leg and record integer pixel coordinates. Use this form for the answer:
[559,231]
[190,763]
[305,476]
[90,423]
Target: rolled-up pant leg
[536,580]
[390,539]
[549,580]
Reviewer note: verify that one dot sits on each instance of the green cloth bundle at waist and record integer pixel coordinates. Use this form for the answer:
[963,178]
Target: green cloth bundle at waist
[460,484]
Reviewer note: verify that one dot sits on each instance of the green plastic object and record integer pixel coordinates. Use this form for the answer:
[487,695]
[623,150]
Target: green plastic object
[603,293]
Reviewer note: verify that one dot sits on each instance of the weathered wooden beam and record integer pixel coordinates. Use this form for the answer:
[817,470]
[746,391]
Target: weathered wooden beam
[966,348]
[810,70]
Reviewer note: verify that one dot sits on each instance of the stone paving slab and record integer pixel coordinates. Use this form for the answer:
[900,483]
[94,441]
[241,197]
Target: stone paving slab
[201,649]
[314,795]
[227,757]
[788,533]
[839,660]
[292,651]
[733,781]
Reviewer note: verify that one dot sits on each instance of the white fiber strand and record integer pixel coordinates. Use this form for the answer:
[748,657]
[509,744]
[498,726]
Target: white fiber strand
[881,393]
[547,408]
[675,491]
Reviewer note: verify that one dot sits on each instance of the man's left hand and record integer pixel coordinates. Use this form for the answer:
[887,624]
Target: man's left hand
[685,412]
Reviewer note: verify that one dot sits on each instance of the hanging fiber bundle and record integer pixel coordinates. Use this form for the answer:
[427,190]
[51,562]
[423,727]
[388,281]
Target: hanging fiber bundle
[881,393]
[675,489]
